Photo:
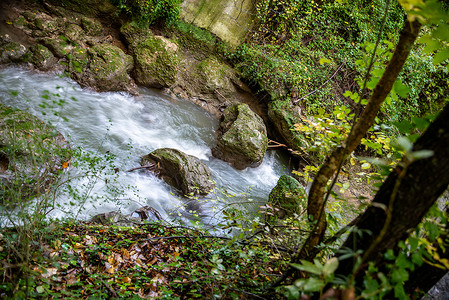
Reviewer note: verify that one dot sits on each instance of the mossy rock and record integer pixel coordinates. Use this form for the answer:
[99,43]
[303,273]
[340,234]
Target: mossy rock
[12,51]
[284,115]
[288,197]
[91,26]
[75,34]
[216,76]
[134,35]
[59,45]
[155,57]
[156,62]
[242,139]
[102,67]
[32,153]
[182,171]
[42,57]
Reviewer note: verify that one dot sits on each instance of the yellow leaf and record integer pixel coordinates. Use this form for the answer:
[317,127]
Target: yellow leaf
[126,280]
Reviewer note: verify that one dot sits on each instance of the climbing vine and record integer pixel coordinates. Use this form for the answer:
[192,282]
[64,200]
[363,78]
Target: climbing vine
[149,12]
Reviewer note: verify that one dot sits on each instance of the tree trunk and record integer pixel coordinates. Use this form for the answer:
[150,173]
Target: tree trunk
[409,198]
[316,202]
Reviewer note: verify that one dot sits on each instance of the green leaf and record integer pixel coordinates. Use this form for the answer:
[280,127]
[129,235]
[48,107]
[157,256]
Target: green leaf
[421,154]
[425,39]
[441,32]
[330,266]
[401,89]
[441,56]
[347,93]
[324,60]
[389,255]
[431,46]
[404,144]
[372,83]
[420,123]
[40,289]
[307,267]
[399,275]
[399,292]
[310,284]
[293,292]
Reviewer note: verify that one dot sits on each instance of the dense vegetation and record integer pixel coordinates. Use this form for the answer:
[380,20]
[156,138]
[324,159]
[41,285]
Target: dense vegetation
[315,54]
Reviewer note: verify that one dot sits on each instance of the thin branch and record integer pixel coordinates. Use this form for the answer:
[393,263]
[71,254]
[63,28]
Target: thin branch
[318,88]
[150,167]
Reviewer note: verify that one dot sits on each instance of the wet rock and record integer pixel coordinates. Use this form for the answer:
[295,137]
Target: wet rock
[139,216]
[58,45]
[182,171]
[288,197]
[91,26]
[102,67]
[242,139]
[75,34]
[156,59]
[11,51]
[283,115]
[42,57]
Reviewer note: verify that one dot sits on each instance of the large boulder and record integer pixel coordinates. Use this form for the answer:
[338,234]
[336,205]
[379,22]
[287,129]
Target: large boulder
[42,57]
[11,51]
[32,155]
[182,171]
[288,197]
[284,115]
[242,139]
[156,58]
[103,67]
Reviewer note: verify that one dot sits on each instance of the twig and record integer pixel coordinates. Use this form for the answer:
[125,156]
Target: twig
[114,294]
[316,90]
[277,144]
[222,96]
[150,166]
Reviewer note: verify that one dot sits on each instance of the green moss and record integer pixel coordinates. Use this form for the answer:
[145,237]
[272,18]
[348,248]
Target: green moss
[91,26]
[155,65]
[288,196]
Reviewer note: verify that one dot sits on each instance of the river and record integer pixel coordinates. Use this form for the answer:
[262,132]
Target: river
[119,128]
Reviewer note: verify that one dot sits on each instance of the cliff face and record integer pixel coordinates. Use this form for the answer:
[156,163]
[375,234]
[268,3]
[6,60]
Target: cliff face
[228,19]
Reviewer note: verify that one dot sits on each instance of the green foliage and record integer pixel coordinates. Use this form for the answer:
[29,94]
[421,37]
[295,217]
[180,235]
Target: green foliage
[150,12]
[319,275]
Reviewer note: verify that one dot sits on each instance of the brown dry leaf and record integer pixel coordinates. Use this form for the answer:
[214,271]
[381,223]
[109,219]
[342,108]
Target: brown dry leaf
[70,279]
[109,268]
[125,253]
[89,240]
[46,273]
[153,261]
[126,280]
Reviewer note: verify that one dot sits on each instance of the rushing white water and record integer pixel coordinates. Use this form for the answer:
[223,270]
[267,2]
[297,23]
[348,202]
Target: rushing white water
[129,127]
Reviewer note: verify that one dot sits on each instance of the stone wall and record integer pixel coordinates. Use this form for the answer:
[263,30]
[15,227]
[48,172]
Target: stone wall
[228,19]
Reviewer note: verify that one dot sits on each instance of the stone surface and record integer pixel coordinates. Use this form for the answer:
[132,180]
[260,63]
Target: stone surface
[283,115]
[288,197]
[103,67]
[182,171]
[242,139]
[42,57]
[156,58]
[11,51]
[227,19]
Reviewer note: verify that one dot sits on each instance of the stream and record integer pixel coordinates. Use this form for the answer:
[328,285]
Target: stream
[118,129]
